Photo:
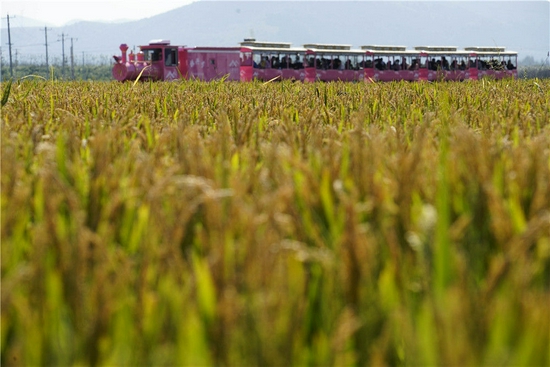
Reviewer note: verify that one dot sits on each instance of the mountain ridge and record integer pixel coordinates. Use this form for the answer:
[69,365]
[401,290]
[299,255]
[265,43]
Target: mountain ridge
[520,26]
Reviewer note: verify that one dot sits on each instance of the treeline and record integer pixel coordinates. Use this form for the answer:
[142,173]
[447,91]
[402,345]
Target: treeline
[80,72]
[534,71]
[102,72]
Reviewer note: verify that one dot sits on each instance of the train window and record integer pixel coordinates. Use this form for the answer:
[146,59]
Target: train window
[256,58]
[275,60]
[323,61]
[458,63]
[170,57]
[415,64]
[284,61]
[246,58]
[152,54]
[510,63]
[358,62]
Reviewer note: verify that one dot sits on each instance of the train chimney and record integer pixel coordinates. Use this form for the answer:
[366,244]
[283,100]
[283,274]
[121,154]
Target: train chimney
[124,48]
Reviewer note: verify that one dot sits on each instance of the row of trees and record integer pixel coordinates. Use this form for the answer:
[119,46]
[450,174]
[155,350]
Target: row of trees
[94,70]
[80,72]
[85,67]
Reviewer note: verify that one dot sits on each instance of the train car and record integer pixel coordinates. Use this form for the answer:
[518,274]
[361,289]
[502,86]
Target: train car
[210,63]
[275,61]
[159,60]
[156,61]
[391,63]
[334,62]
[493,62]
[440,63]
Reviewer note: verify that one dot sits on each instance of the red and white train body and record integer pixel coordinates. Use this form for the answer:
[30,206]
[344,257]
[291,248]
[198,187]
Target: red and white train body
[159,60]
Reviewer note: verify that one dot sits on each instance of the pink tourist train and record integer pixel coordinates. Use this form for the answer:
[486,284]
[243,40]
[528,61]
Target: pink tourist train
[265,61]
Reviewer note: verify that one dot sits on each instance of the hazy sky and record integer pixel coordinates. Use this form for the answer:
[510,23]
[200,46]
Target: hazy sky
[58,13]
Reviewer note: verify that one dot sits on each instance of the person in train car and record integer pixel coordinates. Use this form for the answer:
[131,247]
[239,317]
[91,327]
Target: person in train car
[274,62]
[462,65]
[404,65]
[336,63]
[396,65]
[263,63]
[444,63]
[283,64]
[348,65]
[454,65]
[509,65]
[298,63]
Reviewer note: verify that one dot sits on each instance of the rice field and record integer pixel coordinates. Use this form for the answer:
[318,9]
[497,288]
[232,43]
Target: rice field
[276,224]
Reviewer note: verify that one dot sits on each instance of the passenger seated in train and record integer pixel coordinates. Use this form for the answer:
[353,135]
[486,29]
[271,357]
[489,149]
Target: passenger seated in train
[462,65]
[275,63]
[454,65]
[264,63]
[444,63]
[404,65]
[510,66]
[336,63]
[379,64]
[396,65]
[284,63]
[347,65]
[297,64]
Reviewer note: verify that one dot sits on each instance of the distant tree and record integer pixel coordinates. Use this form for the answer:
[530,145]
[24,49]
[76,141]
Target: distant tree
[528,61]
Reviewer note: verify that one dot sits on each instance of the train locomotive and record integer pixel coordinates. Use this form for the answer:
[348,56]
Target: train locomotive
[265,61]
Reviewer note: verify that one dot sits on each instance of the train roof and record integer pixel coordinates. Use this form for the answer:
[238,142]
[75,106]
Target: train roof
[383,48]
[436,48]
[218,48]
[487,50]
[252,43]
[328,46]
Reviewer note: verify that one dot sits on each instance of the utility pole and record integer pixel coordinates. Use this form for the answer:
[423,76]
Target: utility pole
[72,60]
[9,45]
[63,54]
[46,44]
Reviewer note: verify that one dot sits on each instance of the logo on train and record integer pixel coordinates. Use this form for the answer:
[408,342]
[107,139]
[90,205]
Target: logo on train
[171,75]
[198,62]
